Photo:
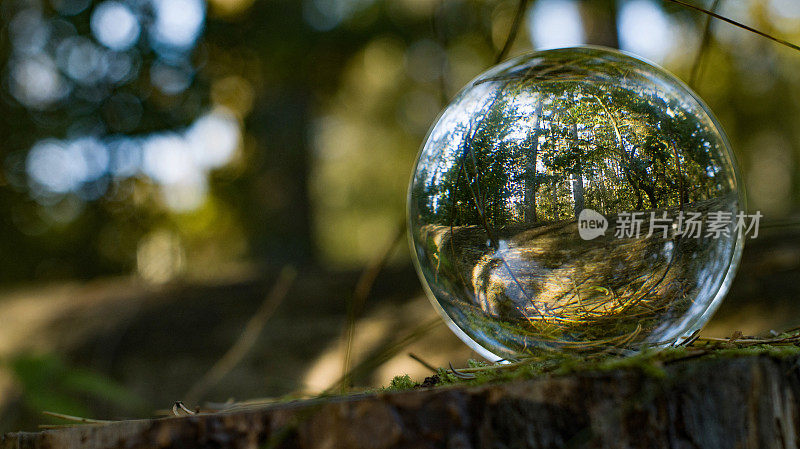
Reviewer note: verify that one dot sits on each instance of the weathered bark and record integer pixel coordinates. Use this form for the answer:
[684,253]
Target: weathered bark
[745,402]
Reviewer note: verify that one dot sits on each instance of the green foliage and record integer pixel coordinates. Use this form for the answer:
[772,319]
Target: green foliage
[399,383]
[628,147]
[48,384]
[650,362]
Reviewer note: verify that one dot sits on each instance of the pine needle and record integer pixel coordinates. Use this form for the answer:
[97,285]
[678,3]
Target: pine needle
[737,24]
[248,337]
[522,6]
[704,44]
[362,291]
[74,419]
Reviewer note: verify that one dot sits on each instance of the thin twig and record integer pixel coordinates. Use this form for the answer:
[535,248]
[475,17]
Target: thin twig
[735,23]
[701,51]
[441,36]
[460,375]
[78,419]
[698,347]
[422,362]
[385,353]
[522,6]
[247,338]
[692,338]
[362,291]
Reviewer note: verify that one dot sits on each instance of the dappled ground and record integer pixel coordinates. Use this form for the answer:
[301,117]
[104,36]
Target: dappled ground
[564,291]
[157,342]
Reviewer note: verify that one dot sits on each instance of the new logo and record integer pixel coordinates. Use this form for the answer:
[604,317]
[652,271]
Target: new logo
[591,224]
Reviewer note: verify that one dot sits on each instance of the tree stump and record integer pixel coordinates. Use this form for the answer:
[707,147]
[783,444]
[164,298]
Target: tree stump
[748,401]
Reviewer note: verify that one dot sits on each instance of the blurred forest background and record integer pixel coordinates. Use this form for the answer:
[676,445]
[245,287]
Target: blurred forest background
[162,160]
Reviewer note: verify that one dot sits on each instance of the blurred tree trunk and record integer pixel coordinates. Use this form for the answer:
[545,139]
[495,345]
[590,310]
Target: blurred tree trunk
[272,197]
[600,22]
[279,207]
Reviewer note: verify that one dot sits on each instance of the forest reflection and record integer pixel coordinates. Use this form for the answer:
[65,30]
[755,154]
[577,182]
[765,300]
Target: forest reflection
[521,153]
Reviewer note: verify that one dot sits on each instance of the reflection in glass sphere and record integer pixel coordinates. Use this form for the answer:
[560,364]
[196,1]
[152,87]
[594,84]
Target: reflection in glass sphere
[575,199]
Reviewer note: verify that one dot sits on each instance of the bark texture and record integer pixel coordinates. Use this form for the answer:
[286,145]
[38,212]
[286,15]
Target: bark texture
[743,402]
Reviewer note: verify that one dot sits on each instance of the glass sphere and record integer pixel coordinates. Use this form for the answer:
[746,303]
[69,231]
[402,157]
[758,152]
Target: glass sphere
[577,199]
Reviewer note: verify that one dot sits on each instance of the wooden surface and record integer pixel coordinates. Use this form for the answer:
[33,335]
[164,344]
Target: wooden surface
[157,341]
[744,402]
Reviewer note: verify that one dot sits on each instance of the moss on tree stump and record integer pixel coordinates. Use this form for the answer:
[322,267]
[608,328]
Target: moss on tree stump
[747,401]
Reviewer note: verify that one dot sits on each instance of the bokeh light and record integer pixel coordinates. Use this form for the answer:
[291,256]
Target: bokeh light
[82,60]
[55,68]
[644,29]
[555,24]
[324,15]
[36,83]
[177,161]
[196,140]
[178,24]
[115,25]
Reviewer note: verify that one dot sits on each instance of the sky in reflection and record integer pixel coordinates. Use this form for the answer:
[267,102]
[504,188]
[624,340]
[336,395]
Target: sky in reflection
[521,154]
